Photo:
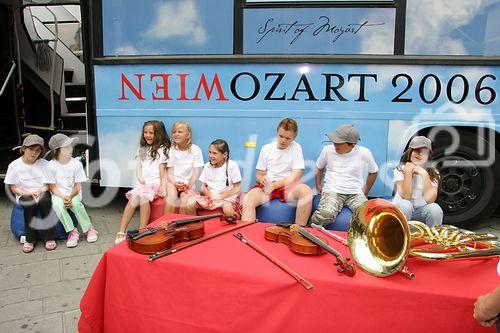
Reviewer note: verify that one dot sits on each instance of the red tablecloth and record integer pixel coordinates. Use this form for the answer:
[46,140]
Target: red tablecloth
[222,285]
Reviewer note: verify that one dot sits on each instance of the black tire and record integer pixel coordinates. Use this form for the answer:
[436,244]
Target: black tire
[468,193]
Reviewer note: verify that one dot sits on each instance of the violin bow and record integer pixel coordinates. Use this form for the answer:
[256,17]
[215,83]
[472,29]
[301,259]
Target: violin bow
[344,267]
[174,249]
[278,263]
[405,271]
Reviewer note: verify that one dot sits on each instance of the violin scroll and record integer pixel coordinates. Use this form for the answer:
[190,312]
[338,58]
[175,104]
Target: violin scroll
[345,267]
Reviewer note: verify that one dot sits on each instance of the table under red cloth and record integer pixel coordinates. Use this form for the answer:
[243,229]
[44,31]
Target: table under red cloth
[223,285]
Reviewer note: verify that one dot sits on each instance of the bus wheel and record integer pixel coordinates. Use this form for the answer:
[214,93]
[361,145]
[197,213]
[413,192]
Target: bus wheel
[469,191]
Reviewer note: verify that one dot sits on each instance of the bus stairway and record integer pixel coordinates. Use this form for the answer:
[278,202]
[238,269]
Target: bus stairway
[75,120]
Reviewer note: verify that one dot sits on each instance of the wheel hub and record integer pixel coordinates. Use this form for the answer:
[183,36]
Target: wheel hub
[459,183]
[451,183]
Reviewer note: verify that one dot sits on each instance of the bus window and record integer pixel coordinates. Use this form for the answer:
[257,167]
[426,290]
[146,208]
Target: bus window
[167,27]
[464,28]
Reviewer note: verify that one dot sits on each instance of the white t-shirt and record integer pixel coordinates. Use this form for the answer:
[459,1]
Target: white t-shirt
[345,172]
[184,161]
[29,177]
[279,163]
[150,167]
[66,175]
[215,178]
[417,198]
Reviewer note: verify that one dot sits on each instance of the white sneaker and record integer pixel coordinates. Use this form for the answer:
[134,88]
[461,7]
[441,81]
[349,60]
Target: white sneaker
[92,235]
[73,238]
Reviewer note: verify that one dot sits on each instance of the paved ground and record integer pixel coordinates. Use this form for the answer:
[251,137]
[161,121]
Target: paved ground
[41,291]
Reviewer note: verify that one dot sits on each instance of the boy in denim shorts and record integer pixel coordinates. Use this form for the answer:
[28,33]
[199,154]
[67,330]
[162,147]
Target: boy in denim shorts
[344,185]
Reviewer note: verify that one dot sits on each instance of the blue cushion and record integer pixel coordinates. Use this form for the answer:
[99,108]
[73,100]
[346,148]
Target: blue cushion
[276,211]
[17,223]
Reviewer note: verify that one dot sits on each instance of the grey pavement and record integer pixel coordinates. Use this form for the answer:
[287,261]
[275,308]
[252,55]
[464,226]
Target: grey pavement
[41,291]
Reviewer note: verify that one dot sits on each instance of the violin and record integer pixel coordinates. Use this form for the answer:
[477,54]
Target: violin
[152,240]
[296,242]
[344,266]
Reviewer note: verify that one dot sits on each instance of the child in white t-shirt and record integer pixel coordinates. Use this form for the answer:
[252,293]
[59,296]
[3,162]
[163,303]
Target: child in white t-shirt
[279,169]
[27,178]
[221,183]
[65,175]
[185,161]
[417,182]
[344,185]
[151,175]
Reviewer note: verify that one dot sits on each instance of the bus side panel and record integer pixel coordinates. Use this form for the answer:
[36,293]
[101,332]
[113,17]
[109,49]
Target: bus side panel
[243,104]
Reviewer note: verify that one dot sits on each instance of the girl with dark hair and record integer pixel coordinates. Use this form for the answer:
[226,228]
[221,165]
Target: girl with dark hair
[221,183]
[151,175]
[417,182]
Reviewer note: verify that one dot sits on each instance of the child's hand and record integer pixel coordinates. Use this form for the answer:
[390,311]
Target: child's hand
[420,171]
[180,186]
[36,196]
[211,195]
[268,185]
[141,180]
[162,192]
[409,168]
[67,202]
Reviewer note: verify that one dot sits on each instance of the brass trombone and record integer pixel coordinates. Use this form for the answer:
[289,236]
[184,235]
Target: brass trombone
[381,239]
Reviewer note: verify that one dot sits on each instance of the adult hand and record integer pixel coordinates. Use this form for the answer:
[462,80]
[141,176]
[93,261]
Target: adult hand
[36,196]
[480,314]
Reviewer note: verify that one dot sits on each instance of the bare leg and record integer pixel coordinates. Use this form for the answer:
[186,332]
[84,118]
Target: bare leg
[171,199]
[254,198]
[145,212]
[228,210]
[191,206]
[183,198]
[302,195]
[128,213]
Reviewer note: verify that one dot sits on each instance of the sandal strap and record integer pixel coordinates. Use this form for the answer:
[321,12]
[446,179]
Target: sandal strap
[121,233]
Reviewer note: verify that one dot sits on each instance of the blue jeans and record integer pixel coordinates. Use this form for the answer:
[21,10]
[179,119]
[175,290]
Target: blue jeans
[431,214]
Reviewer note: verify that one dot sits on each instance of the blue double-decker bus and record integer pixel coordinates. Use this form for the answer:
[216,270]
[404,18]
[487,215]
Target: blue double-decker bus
[234,68]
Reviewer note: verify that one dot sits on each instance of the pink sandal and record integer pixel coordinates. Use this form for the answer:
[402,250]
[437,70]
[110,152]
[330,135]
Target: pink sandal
[50,245]
[28,247]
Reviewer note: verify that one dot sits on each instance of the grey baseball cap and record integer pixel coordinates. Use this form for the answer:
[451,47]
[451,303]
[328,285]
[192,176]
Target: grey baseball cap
[31,140]
[60,140]
[420,142]
[344,133]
